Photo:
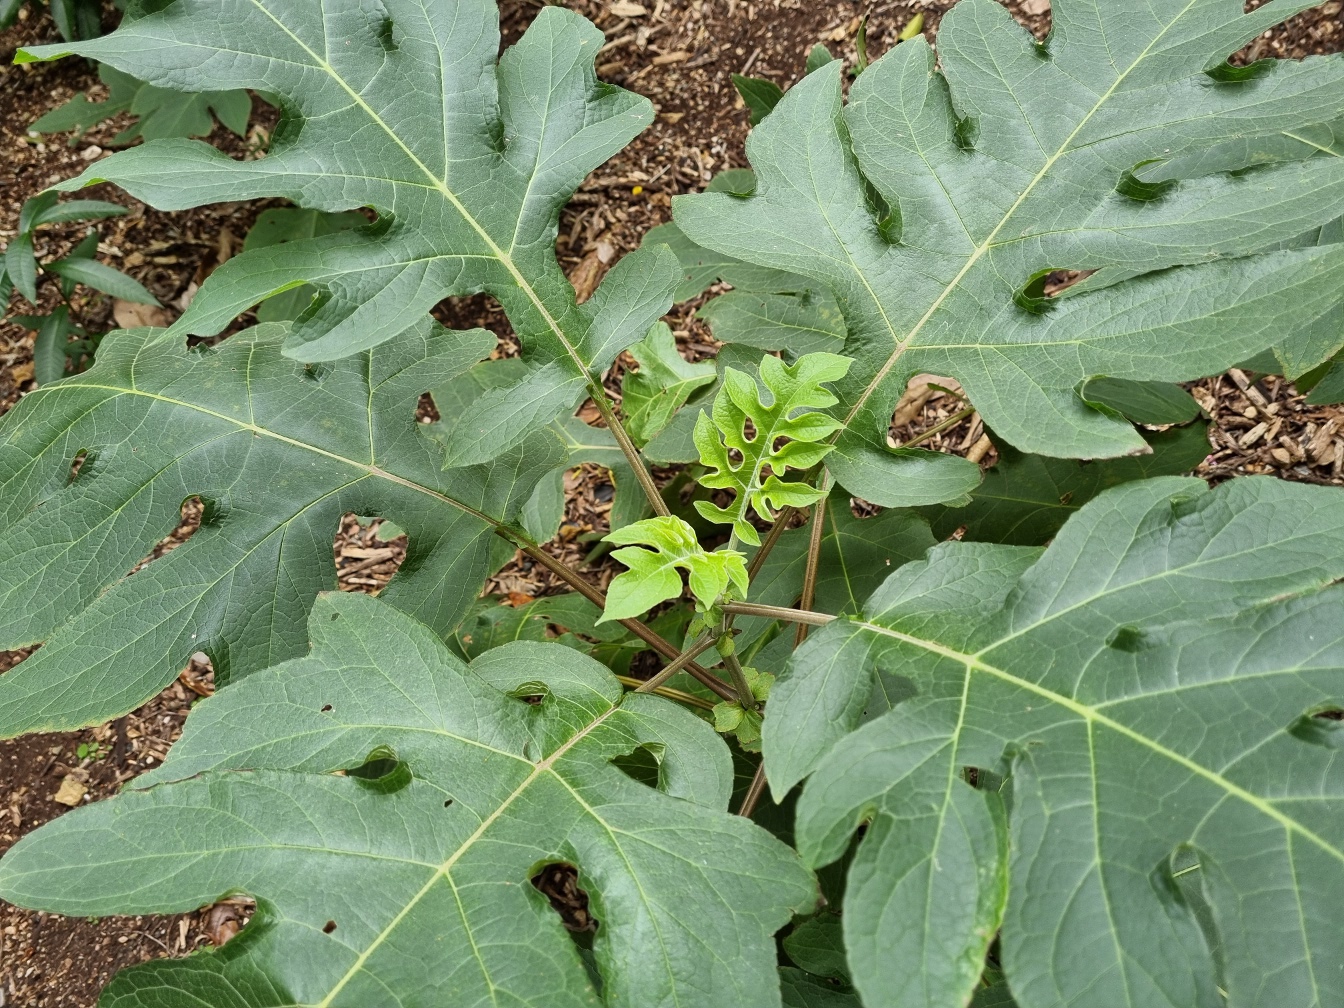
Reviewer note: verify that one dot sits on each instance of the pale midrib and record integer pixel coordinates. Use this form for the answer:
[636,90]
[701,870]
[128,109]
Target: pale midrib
[366,467]
[1093,715]
[442,187]
[543,767]
[902,343]
[1311,143]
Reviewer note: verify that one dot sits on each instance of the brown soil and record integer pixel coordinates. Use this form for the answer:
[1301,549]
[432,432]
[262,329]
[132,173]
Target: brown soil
[680,54]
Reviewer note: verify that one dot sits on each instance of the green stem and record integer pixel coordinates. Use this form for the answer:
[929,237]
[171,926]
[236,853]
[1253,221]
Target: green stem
[771,537]
[744,695]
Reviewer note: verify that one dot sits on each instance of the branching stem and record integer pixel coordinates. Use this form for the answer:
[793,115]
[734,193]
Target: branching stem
[744,695]
[681,661]
[595,595]
[754,792]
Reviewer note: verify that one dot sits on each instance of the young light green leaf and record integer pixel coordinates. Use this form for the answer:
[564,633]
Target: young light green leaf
[276,453]
[1154,683]
[737,459]
[651,396]
[427,865]
[468,157]
[653,575]
[1025,499]
[1000,168]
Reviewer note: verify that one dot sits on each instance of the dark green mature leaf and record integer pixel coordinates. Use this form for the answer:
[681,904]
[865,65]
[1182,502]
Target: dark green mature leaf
[1003,162]
[1154,684]
[802,323]
[49,346]
[94,274]
[651,396]
[277,452]
[802,991]
[759,94]
[1025,499]
[424,894]
[467,157]
[285,224]
[1143,402]
[160,112]
[818,946]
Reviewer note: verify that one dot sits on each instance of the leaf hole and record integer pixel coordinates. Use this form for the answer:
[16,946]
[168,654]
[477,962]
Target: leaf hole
[329,927]
[368,552]
[531,693]
[644,763]
[326,708]
[382,771]
[192,515]
[1126,638]
[448,803]
[1323,726]
[77,464]
[559,883]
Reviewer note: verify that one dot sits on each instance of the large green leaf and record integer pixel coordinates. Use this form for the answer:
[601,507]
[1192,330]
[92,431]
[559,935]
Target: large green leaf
[467,162]
[1006,159]
[406,881]
[1026,498]
[1161,688]
[277,451]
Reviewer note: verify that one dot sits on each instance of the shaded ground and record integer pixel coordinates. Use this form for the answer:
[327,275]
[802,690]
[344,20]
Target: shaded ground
[680,53]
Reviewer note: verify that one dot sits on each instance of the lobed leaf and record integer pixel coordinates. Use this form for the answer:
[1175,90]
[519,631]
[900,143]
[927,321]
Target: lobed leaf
[276,452]
[466,156]
[653,575]
[426,859]
[1159,688]
[737,458]
[1000,162]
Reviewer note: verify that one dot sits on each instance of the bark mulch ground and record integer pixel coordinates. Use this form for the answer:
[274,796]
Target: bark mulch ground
[680,53]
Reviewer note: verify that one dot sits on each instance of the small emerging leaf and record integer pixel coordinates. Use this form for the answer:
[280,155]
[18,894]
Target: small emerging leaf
[665,380]
[738,459]
[653,575]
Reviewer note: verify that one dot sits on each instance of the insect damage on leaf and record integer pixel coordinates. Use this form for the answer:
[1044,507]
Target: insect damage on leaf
[749,435]
[653,575]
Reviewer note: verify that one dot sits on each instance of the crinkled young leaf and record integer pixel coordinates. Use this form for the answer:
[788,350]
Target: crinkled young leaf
[1003,161]
[1025,499]
[665,380]
[653,575]
[467,157]
[737,458]
[277,452]
[1154,684]
[413,887]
